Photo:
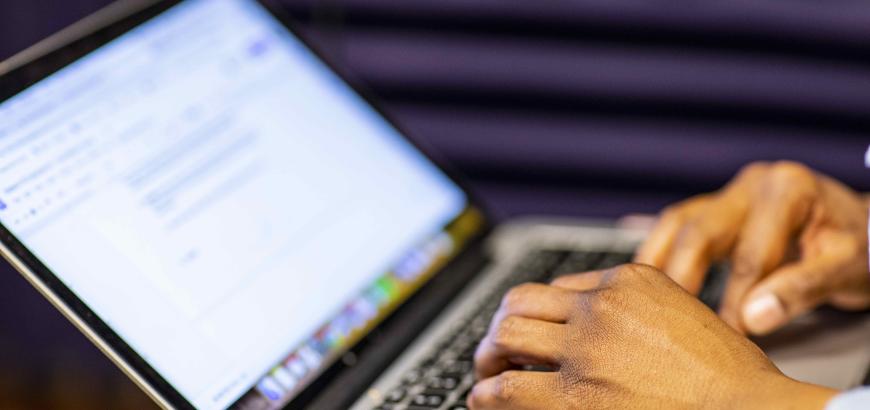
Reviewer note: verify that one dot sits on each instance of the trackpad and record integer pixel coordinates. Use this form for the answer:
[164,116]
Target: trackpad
[826,347]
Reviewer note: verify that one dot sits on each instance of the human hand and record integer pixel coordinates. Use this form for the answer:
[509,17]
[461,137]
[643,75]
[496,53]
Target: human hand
[628,337]
[795,238]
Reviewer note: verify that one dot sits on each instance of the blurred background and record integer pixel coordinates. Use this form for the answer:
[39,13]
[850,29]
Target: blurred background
[581,108]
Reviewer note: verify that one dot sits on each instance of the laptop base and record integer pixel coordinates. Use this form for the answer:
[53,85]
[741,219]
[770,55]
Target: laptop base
[824,348]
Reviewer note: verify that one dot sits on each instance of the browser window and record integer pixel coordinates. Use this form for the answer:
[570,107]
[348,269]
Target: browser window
[222,200]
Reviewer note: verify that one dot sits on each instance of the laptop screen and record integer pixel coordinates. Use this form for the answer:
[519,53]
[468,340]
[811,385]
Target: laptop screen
[223,201]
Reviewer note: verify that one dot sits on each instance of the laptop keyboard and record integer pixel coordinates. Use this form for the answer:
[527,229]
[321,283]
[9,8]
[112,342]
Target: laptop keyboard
[444,378]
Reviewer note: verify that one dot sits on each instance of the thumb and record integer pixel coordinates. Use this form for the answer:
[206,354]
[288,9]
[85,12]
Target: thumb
[788,293]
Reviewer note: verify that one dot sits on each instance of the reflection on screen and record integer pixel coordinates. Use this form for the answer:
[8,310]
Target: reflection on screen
[217,196]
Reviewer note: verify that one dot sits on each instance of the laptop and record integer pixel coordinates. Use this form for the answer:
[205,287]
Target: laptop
[235,225]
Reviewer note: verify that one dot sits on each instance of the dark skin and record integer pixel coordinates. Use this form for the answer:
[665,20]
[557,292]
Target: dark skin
[636,337]
[795,238]
[628,337]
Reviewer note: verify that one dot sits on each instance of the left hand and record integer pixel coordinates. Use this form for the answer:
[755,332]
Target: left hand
[624,338]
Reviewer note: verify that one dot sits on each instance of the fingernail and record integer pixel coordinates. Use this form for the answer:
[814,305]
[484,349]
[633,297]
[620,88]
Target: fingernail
[764,314]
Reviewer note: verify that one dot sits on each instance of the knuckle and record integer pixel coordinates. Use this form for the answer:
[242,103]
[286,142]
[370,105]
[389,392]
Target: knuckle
[753,169]
[504,332]
[751,174]
[805,290]
[691,234]
[478,397]
[791,172]
[602,300]
[632,272]
[505,386]
[742,271]
[639,270]
[810,288]
[517,295]
[576,300]
[744,266]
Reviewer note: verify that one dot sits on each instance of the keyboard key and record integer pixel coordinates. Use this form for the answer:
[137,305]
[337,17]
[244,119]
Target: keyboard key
[578,262]
[468,354]
[428,399]
[443,383]
[396,395]
[428,362]
[714,286]
[541,260]
[412,377]
[536,266]
[456,368]
[615,259]
[460,345]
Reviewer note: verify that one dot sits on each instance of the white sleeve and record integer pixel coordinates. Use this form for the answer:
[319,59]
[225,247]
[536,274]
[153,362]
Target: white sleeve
[858,399]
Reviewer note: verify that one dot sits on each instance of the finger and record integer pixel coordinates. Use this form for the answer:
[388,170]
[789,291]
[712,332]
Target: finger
[579,281]
[518,341]
[537,301]
[691,258]
[763,241]
[516,390]
[657,246]
[790,292]
[706,229]
[705,239]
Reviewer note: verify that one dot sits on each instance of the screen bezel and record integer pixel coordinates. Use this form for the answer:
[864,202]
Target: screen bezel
[43,64]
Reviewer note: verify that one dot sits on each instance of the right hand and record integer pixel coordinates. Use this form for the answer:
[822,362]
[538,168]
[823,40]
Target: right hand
[795,238]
